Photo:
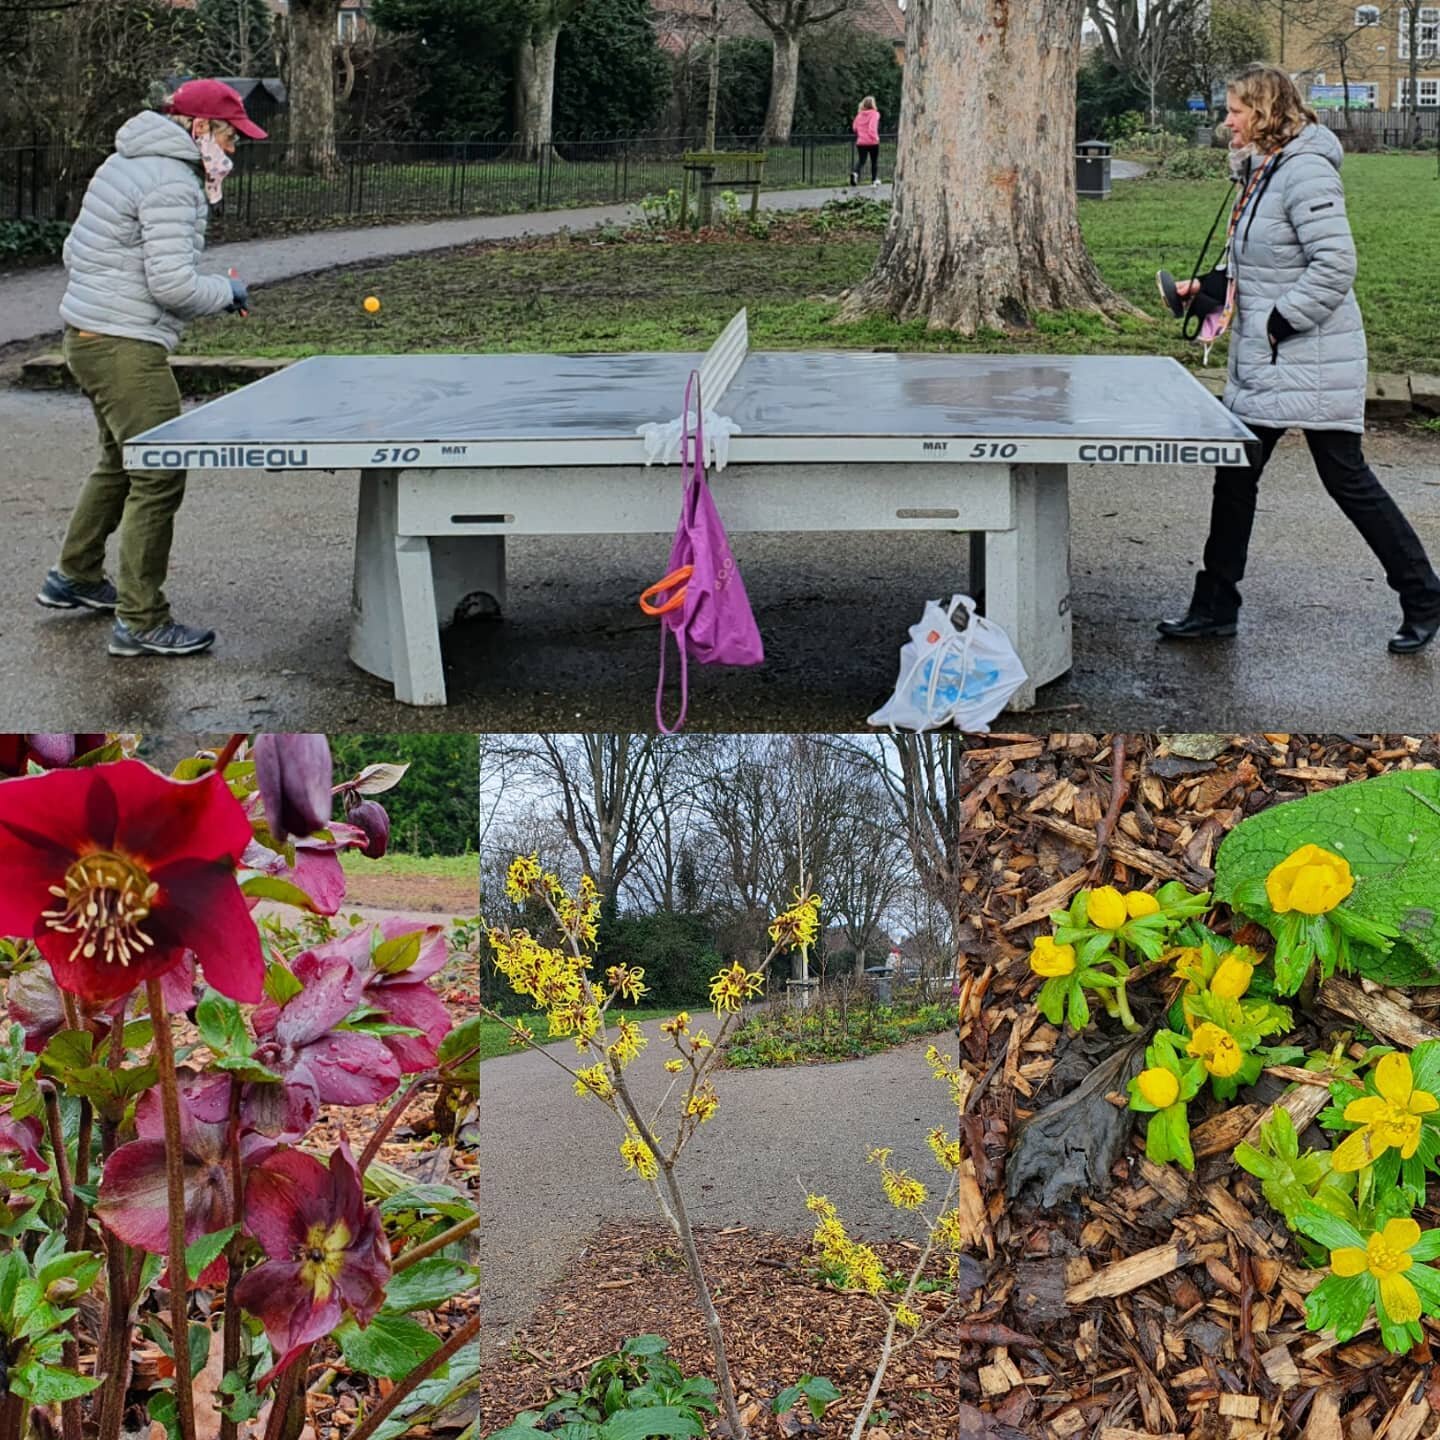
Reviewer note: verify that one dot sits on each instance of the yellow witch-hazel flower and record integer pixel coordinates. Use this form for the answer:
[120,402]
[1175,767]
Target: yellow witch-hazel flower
[902,1190]
[949,1074]
[674,1066]
[731,988]
[523,878]
[797,927]
[946,1150]
[859,1264]
[1393,1116]
[702,1105]
[677,1025]
[628,984]
[637,1155]
[906,1317]
[594,1081]
[628,1043]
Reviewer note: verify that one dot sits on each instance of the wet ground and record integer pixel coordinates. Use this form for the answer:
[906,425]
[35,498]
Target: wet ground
[266,561]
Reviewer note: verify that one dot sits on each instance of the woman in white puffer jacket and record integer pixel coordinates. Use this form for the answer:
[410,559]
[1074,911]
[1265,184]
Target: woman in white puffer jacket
[134,281]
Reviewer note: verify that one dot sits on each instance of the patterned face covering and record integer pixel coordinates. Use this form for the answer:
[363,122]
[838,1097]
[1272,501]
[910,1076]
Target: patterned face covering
[217,163]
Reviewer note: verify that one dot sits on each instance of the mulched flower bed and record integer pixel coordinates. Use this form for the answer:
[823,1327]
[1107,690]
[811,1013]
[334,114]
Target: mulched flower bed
[780,1324]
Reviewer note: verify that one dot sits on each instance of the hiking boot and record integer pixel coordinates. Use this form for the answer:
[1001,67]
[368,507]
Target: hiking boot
[171,638]
[59,592]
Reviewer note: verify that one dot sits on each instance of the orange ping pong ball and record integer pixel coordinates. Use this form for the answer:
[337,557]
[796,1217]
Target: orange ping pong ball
[372,305]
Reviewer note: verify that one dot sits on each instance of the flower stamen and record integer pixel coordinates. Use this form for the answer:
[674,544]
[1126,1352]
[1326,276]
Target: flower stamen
[107,898]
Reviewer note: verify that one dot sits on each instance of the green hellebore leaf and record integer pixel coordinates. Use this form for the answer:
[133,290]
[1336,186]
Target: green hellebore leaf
[390,1345]
[206,1250]
[650,1423]
[46,1385]
[395,957]
[271,887]
[428,1284]
[1388,829]
[222,1026]
[280,984]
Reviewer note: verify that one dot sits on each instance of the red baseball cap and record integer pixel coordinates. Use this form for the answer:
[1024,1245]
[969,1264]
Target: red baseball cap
[213,100]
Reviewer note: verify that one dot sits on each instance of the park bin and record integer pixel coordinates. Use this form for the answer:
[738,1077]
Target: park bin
[1204,136]
[1092,170]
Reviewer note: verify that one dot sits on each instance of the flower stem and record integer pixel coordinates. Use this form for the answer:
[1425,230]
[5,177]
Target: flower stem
[175,1186]
[230,1344]
[1123,1001]
[417,1377]
[446,1238]
[70,1415]
[232,748]
[113,1360]
[285,1392]
[391,1119]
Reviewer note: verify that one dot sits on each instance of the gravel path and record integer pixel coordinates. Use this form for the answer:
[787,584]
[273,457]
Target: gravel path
[551,1174]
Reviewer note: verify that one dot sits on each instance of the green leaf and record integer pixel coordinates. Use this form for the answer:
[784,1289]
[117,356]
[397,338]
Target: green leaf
[46,1385]
[271,887]
[281,985]
[206,1249]
[1388,829]
[428,1284]
[390,1345]
[462,1042]
[243,1067]
[1333,1234]
[645,1346]
[395,957]
[222,1026]
[1339,1306]
[1247,1157]
[659,1420]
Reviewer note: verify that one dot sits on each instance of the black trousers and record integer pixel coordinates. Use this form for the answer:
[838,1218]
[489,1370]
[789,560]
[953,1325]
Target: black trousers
[1352,485]
[873,151]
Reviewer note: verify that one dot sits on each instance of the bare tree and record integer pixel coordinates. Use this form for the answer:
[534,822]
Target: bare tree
[535,76]
[984,231]
[787,21]
[309,36]
[868,871]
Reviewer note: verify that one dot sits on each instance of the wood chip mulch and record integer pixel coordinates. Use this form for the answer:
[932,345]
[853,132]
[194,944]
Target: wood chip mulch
[780,1323]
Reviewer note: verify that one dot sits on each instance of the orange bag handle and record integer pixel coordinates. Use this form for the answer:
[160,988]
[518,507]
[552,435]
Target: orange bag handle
[674,578]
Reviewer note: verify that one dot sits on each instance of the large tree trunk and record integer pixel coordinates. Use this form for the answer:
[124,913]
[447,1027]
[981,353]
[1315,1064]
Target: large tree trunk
[535,91]
[984,231]
[311,82]
[784,83]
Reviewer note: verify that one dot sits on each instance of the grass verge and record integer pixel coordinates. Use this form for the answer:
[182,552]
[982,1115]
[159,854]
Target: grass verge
[780,1038]
[495,1038]
[613,292]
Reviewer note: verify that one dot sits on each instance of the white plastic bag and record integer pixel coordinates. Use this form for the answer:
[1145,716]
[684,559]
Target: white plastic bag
[950,676]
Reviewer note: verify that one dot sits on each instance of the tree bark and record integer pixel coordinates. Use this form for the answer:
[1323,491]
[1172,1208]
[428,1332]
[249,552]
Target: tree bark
[984,231]
[311,83]
[535,91]
[784,85]
[712,95]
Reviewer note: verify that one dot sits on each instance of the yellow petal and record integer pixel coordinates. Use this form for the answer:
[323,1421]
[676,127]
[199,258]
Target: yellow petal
[1351,1260]
[1232,979]
[1106,908]
[1354,1152]
[1368,1110]
[1422,1102]
[1393,1079]
[1141,902]
[1158,1086]
[1313,892]
[1401,1234]
[1400,1299]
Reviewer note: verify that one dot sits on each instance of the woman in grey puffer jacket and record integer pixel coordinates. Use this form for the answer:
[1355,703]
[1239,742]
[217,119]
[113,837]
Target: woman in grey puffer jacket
[1297,357]
[133,259]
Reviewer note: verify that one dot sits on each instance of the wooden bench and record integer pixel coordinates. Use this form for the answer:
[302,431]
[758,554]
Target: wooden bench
[700,167]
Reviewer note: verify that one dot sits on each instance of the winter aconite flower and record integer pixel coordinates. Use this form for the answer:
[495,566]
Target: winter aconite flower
[1140,903]
[1231,978]
[1107,909]
[328,1255]
[1391,1119]
[116,872]
[1218,1050]
[1158,1087]
[1312,881]
[1387,1257]
[1052,960]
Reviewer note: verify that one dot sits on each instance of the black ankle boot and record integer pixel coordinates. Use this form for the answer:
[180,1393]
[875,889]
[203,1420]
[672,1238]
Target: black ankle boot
[1197,624]
[1413,636]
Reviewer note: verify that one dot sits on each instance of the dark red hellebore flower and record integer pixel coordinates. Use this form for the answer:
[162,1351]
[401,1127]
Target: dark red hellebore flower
[116,872]
[294,773]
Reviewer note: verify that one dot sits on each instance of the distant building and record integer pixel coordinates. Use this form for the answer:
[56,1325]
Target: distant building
[1376,41]
[352,22]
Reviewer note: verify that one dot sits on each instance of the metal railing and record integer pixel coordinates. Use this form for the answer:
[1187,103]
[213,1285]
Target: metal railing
[284,186]
[280,186]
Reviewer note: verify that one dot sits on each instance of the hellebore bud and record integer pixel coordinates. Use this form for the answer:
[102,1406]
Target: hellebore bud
[295,773]
[370,816]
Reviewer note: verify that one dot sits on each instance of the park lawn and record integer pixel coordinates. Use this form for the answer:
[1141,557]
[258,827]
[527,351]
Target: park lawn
[604,293]
[451,867]
[495,1038]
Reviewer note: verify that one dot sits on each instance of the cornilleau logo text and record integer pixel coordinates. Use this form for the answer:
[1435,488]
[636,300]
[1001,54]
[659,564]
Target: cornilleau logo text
[1163,452]
[224,457]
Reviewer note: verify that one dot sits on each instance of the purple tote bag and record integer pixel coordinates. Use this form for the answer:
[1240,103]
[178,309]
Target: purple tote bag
[702,601]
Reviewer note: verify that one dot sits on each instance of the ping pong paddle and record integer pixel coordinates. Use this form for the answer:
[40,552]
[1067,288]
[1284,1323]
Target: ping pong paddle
[235,275]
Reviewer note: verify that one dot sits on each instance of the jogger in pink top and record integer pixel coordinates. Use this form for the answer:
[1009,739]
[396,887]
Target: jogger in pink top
[866,126]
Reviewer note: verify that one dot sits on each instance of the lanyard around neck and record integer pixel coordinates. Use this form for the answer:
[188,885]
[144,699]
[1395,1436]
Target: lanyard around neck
[1243,203]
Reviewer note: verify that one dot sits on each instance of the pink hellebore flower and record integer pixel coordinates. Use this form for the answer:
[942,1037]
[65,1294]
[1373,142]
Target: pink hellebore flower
[320,1064]
[294,773]
[370,816]
[327,1251]
[134,1202]
[50,752]
[22,1138]
[404,997]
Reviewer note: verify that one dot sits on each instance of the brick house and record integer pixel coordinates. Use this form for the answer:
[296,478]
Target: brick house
[1376,41]
[351,23]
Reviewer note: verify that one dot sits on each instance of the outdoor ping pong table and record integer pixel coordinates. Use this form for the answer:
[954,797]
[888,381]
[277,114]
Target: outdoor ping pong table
[458,452]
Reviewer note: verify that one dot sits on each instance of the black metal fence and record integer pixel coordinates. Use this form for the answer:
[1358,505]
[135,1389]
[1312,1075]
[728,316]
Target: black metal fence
[278,187]
[281,186]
